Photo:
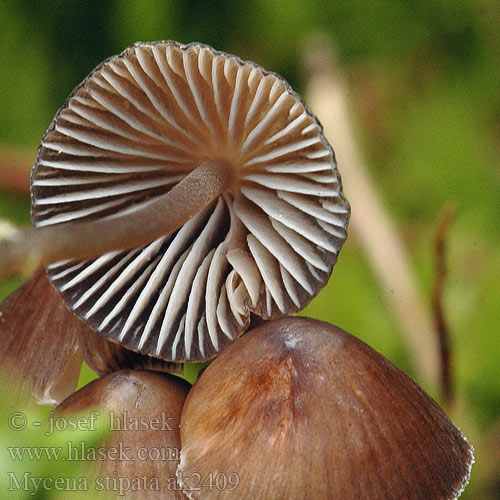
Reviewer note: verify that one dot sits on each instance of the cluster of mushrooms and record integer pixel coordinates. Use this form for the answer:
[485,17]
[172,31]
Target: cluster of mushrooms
[181,197]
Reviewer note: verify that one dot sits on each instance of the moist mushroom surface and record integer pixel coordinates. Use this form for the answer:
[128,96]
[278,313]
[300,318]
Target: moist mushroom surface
[300,409]
[137,126]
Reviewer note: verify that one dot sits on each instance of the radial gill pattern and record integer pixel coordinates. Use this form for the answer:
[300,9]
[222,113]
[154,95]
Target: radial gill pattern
[137,126]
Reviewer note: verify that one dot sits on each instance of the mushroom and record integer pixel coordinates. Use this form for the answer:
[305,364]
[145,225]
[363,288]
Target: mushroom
[104,356]
[141,412]
[42,346]
[300,409]
[39,348]
[178,191]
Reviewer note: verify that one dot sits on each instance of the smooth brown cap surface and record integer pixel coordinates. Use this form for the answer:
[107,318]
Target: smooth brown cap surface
[38,342]
[144,411]
[301,409]
[104,356]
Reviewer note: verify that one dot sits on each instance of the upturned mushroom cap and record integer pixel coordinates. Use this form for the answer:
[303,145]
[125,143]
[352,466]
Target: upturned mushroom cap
[301,409]
[138,125]
[141,411]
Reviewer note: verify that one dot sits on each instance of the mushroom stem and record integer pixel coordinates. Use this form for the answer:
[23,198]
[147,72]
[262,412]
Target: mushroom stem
[24,251]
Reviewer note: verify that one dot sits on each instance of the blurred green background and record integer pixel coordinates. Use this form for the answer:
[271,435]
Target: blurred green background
[424,82]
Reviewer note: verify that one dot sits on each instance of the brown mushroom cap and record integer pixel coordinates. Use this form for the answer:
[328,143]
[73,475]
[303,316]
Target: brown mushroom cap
[299,409]
[136,126]
[141,414]
[39,351]
[104,356]
[42,345]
